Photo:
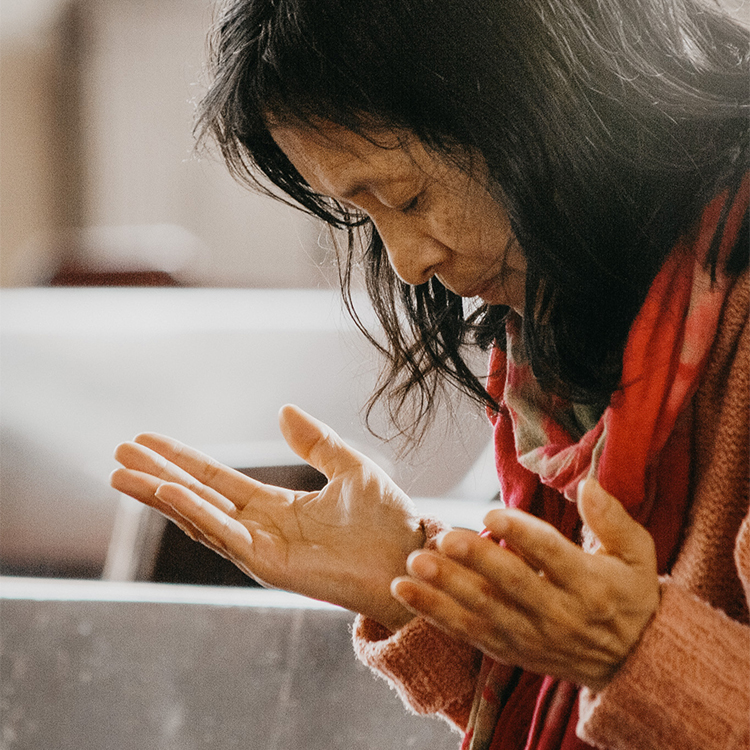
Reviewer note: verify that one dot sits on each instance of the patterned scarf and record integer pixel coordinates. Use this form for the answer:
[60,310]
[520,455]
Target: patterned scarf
[639,449]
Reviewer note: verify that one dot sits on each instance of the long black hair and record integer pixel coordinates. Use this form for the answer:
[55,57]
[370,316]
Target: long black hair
[606,125]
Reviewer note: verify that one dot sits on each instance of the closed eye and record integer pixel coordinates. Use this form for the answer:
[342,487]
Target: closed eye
[413,204]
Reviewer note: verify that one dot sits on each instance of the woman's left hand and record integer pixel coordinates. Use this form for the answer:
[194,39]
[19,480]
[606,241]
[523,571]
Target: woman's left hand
[541,602]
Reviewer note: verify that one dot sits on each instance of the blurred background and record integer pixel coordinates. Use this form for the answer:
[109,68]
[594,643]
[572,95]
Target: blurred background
[97,154]
[97,106]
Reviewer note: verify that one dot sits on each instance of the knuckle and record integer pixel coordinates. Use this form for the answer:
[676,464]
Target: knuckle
[600,597]
[558,623]
[322,449]
[480,630]
[514,578]
[162,466]
[601,607]
[518,640]
[469,623]
[470,550]
[486,593]
[193,485]
[211,470]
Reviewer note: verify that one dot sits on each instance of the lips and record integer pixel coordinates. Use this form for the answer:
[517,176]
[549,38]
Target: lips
[473,291]
[490,290]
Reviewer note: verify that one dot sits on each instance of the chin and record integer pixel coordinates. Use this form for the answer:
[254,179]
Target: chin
[494,302]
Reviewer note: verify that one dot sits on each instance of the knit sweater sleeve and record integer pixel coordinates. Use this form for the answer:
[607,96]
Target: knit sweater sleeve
[686,685]
[431,672]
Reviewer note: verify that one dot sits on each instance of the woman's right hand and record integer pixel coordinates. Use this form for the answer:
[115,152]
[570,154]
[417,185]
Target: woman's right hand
[343,544]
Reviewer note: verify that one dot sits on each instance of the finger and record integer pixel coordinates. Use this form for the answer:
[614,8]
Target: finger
[459,621]
[316,443]
[140,485]
[223,533]
[207,470]
[432,604]
[487,576]
[620,535]
[143,487]
[143,459]
[539,543]
[229,483]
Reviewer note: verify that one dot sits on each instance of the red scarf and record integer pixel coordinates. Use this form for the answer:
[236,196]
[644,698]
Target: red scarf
[639,449]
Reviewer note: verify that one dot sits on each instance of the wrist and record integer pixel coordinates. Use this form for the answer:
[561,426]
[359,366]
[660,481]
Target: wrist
[375,601]
[396,615]
[396,618]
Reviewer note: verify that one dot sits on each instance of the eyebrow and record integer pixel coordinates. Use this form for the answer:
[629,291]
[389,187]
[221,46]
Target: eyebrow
[355,188]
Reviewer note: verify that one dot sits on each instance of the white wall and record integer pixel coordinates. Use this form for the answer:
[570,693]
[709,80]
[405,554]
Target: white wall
[33,149]
[125,73]
[140,82]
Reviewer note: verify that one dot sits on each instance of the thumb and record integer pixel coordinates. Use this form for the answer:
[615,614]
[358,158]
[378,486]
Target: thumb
[620,535]
[315,442]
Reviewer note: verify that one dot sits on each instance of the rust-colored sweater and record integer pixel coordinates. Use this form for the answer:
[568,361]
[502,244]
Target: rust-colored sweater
[686,685]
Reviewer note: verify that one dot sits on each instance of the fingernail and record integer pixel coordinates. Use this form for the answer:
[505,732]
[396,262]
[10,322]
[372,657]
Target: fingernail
[163,491]
[597,497]
[396,586]
[422,566]
[453,545]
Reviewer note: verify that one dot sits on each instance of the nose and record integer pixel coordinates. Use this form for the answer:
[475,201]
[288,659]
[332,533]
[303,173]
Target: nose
[414,254]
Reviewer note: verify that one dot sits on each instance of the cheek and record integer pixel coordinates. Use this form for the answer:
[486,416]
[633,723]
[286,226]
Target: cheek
[491,235]
[498,235]
[469,221]
[461,226]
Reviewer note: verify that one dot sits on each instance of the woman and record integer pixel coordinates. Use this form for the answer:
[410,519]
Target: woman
[579,170]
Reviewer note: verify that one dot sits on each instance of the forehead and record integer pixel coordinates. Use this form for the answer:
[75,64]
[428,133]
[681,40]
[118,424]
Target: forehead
[334,160]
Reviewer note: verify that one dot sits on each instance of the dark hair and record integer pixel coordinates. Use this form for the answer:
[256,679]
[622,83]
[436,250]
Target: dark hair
[606,126]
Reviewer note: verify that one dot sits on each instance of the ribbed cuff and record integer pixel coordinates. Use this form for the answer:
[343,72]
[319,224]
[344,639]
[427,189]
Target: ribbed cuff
[430,671]
[686,685]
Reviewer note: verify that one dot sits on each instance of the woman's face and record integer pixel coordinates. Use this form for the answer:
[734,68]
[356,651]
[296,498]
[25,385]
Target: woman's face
[435,219]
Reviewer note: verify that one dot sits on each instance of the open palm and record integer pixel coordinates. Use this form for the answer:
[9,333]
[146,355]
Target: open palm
[343,544]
